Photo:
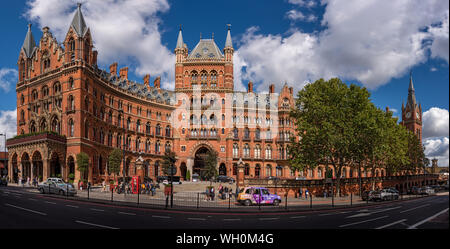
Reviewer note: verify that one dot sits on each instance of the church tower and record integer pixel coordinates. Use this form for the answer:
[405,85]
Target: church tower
[412,112]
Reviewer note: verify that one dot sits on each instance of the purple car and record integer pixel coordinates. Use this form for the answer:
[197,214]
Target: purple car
[258,195]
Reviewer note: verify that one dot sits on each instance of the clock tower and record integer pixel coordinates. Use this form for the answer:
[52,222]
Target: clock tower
[412,112]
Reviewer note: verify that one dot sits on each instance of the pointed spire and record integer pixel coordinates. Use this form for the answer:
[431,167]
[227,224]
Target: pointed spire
[29,44]
[411,95]
[228,42]
[78,23]
[180,39]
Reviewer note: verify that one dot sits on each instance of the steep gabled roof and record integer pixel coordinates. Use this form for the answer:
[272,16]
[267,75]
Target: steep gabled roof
[228,42]
[78,23]
[206,49]
[29,45]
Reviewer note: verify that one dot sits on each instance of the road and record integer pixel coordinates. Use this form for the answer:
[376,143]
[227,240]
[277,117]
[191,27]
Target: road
[25,210]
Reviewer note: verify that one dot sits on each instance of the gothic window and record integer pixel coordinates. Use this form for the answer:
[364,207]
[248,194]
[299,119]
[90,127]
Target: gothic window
[158,130]
[138,144]
[194,77]
[258,134]
[268,152]
[257,151]
[55,125]
[279,171]
[128,123]
[157,147]
[147,128]
[56,88]
[167,131]
[246,151]
[22,99]
[34,95]
[235,150]
[32,127]
[86,50]
[246,133]
[236,133]
[45,91]
[257,170]
[268,170]
[71,46]
[138,125]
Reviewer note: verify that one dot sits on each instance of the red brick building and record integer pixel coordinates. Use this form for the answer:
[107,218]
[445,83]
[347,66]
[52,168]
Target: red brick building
[66,105]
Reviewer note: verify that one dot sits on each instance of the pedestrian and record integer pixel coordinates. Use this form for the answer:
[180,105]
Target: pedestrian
[230,192]
[34,182]
[212,194]
[237,193]
[300,194]
[28,181]
[104,186]
[20,181]
[325,194]
[207,194]
[306,194]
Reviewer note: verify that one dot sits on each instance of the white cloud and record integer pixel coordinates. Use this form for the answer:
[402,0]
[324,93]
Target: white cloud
[126,32]
[303,3]
[8,78]
[296,15]
[8,125]
[435,123]
[368,41]
[440,45]
[437,148]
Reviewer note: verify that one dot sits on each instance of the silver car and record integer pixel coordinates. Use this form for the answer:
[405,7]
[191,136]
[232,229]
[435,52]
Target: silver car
[56,186]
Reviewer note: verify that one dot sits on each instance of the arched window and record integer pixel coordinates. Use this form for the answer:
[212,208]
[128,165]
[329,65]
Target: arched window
[138,144]
[86,50]
[246,133]
[158,130]
[22,116]
[147,128]
[158,147]
[138,125]
[257,170]
[246,151]
[71,46]
[279,171]
[71,103]
[257,151]
[32,127]
[246,169]
[235,150]
[258,134]
[43,125]
[213,78]
[56,88]
[268,170]
[194,77]
[204,78]
[55,125]
[268,152]
[167,131]
[236,133]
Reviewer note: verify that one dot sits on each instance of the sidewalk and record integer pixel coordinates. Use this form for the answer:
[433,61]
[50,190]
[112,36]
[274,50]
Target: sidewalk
[197,201]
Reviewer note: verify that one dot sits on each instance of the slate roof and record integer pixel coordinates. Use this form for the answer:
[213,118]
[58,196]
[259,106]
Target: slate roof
[78,23]
[29,45]
[206,49]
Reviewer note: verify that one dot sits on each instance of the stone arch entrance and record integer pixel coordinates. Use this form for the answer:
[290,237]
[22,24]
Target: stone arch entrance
[55,165]
[15,168]
[200,160]
[71,168]
[38,166]
[26,166]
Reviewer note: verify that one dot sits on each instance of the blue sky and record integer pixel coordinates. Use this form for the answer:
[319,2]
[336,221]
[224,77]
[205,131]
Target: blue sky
[370,43]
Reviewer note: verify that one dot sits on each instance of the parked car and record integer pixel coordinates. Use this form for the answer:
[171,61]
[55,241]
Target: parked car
[387,194]
[258,195]
[56,186]
[195,177]
[225,179]
[369,195]
[160,179]
[414,190]
[426,190]
[3,181]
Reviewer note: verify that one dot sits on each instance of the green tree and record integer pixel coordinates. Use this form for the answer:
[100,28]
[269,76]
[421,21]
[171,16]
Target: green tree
[188,175]
[83,164]
[210,165]
[114,160]
[325,117]
[169,160]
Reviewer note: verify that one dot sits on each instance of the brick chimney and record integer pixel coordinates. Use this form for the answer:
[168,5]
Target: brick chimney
[94,57]
[113,68]
[157,82]
[147,80]
[124,73]
[272,88]
[250,87]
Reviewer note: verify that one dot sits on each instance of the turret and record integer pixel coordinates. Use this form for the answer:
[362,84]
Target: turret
[28,48]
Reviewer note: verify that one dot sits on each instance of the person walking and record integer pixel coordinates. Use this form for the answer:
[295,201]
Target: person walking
[104,186]
[300,194]
[306,194]
[212,193]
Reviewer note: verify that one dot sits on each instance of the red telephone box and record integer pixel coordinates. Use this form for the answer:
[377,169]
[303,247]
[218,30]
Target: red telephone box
[135,184]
